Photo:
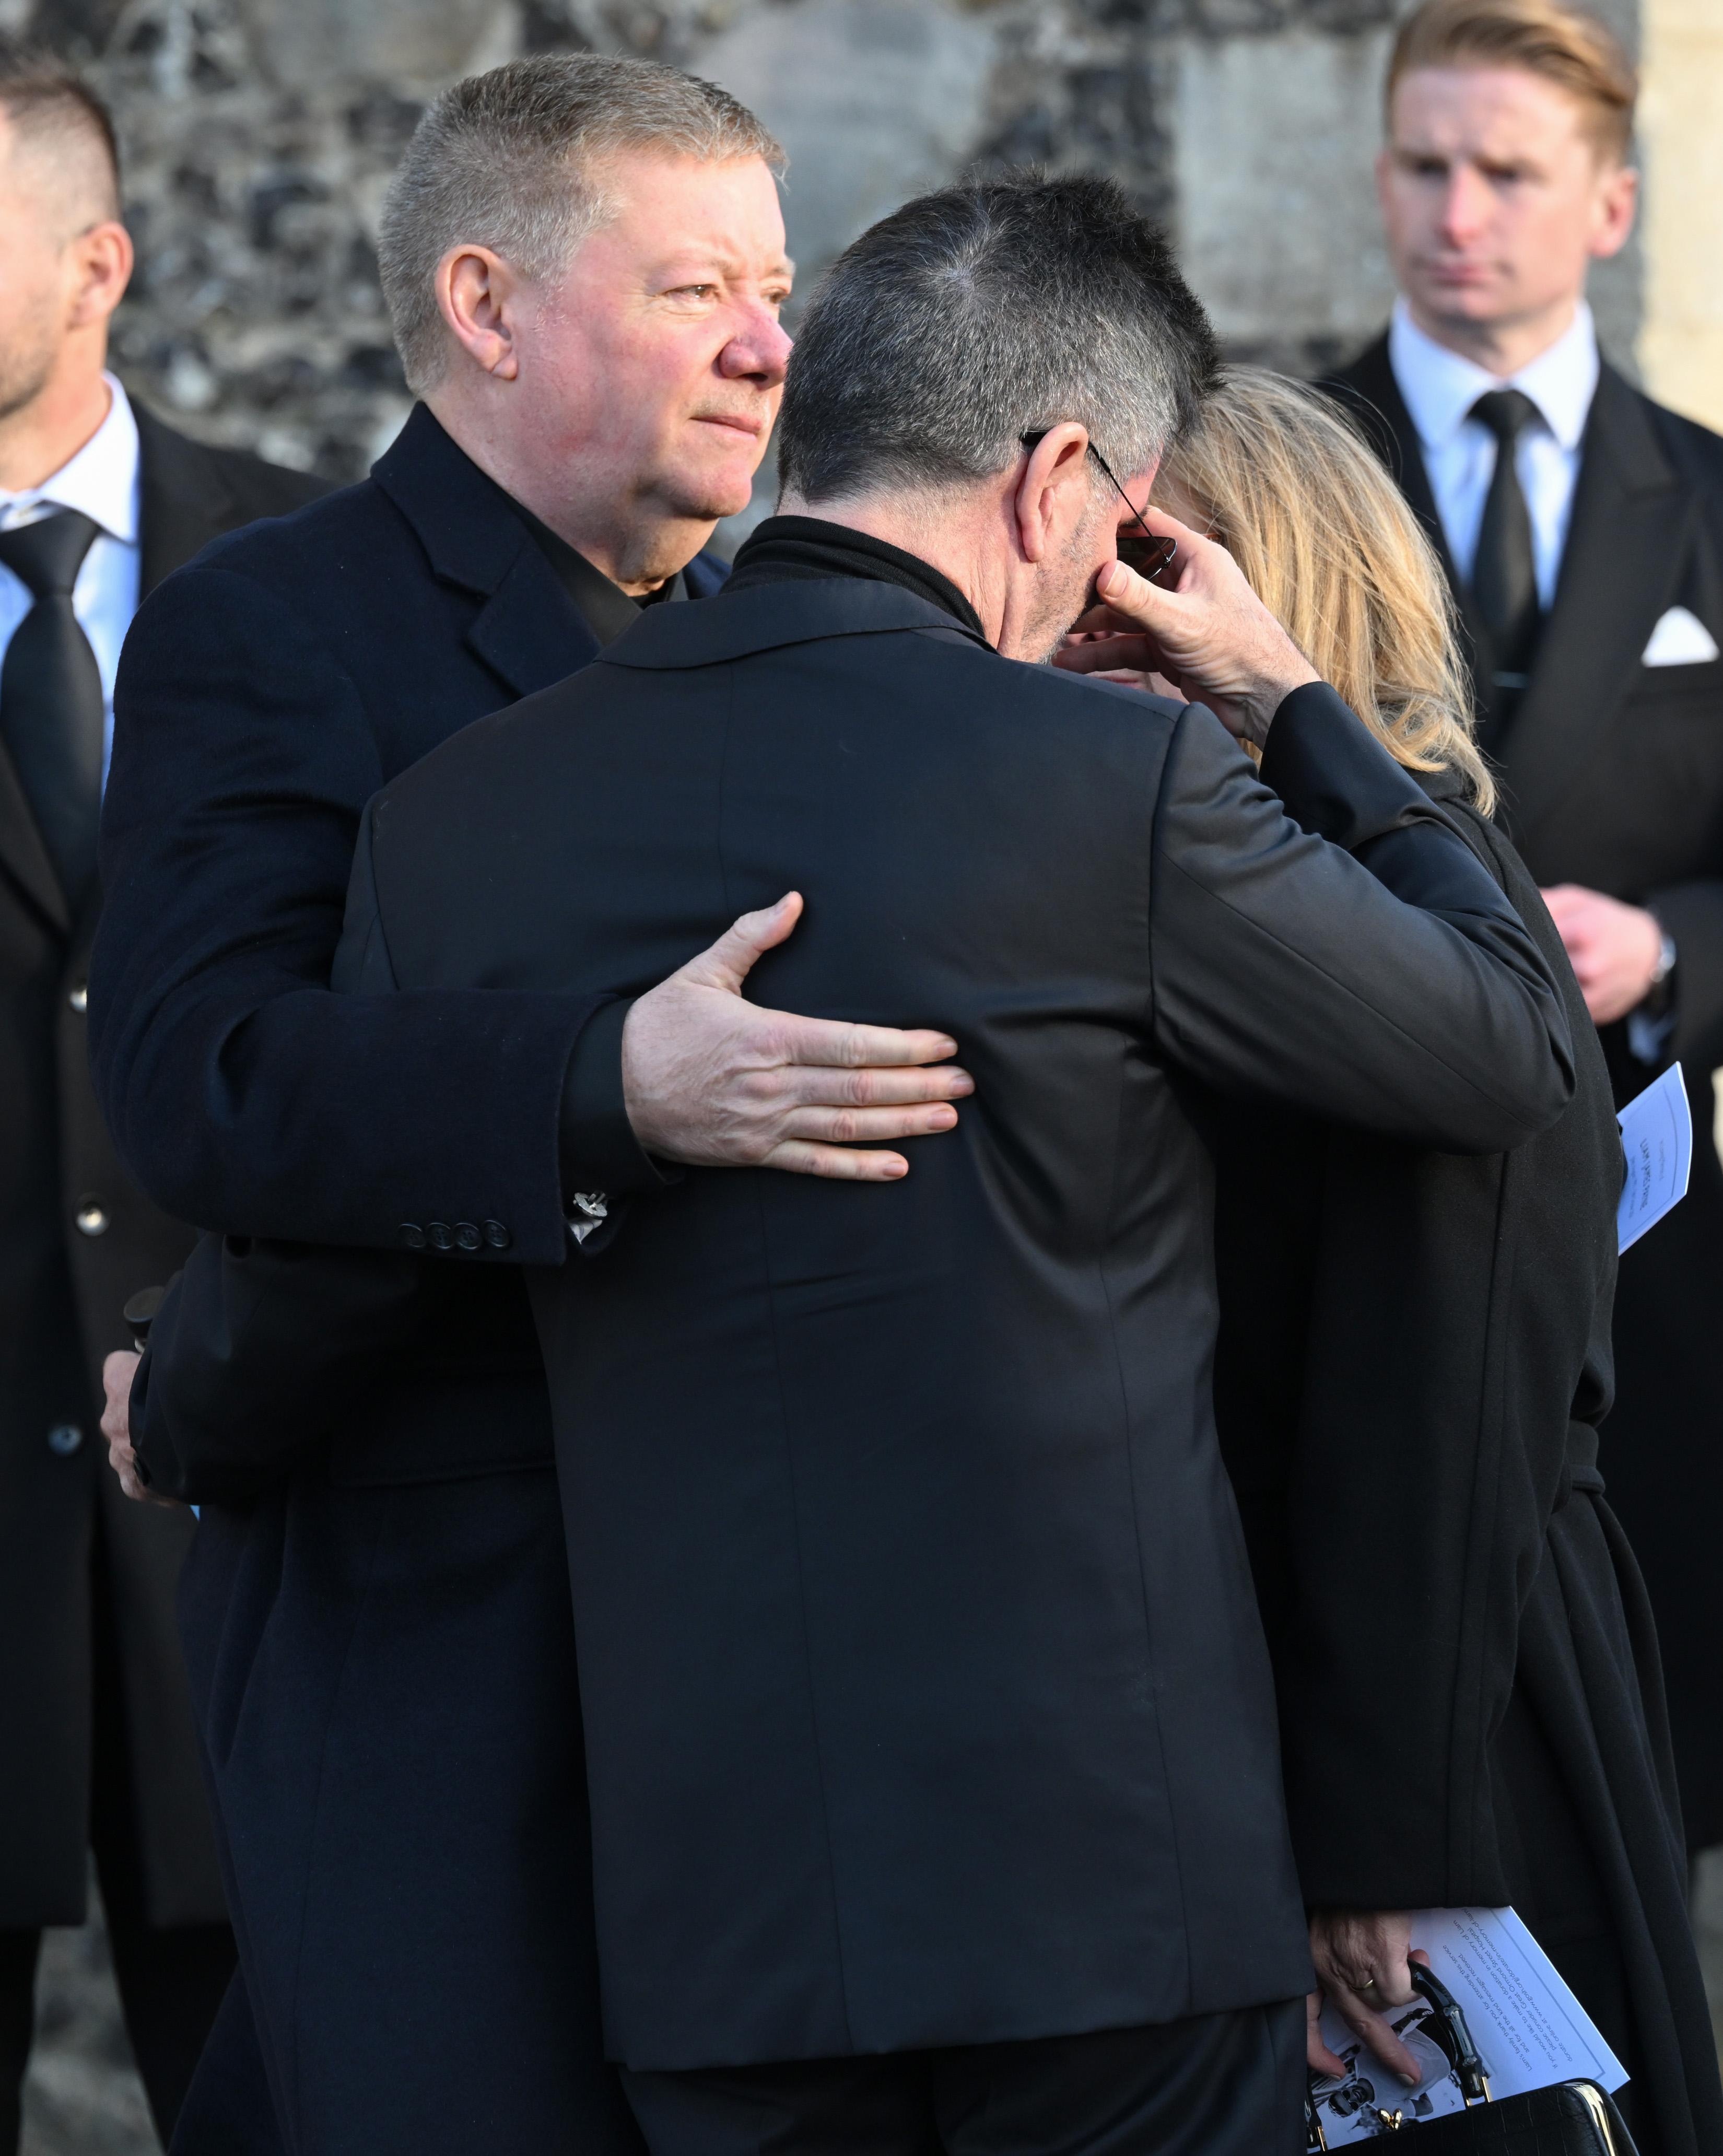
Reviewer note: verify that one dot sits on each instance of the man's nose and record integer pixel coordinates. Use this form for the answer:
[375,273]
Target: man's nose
[1465,206]
[759,350]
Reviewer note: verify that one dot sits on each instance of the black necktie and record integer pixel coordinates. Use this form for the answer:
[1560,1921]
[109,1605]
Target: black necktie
[1504,573]
[51,696]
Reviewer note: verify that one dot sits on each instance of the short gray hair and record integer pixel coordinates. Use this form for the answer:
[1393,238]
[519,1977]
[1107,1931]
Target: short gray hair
[974,316]
[510,160]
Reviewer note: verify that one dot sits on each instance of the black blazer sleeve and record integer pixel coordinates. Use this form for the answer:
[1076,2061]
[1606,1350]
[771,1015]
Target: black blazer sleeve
[1397,992]
[243,756]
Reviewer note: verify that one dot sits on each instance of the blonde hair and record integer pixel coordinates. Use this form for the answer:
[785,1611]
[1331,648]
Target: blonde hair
[1306,508]
[1565,45]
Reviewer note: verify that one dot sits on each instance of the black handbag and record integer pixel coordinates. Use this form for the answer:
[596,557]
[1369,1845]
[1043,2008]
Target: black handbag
[1569,2118]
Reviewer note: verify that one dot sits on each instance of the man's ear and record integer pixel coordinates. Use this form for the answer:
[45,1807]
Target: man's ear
[1052,484]
[1617,199]
[102,268]
[476,291]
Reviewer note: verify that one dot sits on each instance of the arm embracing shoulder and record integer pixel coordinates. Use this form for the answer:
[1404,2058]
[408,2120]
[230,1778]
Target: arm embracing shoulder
[1377,977]
[242,1092]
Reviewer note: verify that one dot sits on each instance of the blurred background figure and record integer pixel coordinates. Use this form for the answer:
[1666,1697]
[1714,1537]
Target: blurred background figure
[98,502]
[1582,528]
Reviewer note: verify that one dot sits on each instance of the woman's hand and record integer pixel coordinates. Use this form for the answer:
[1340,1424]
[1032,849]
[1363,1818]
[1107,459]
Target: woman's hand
[1211,638]
[1362,1957]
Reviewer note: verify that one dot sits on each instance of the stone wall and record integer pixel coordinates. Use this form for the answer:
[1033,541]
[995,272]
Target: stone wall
[259,136]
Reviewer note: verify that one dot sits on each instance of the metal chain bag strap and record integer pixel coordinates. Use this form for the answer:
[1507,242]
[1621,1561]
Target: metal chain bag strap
[1569,2118]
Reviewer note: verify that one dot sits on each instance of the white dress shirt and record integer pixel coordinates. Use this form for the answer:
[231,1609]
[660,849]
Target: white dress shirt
[1440,388]
[102,481]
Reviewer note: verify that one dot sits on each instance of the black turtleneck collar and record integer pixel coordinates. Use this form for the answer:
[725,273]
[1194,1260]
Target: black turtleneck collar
[788,549]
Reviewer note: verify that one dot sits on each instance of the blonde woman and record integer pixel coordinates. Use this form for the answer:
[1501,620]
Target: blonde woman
[1413,1363]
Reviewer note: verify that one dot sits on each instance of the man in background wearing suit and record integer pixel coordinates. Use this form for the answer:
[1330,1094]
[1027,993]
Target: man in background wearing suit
[584,260]
[99,501]
[930,1740]
[1582,526]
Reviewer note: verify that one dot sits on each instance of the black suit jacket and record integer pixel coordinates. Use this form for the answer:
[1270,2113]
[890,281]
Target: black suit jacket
[1611,775]
[62,1290]
[925,1697]
[264,695]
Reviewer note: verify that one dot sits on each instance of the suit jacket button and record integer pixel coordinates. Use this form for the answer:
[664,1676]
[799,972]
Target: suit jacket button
[497,1235]
[412,1235]
[65,1439]
[440,1235]
[466,1234]
[79,998]
[92,1217]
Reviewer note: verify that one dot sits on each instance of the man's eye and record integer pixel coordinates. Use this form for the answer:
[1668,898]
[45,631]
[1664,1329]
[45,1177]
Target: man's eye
[693,291]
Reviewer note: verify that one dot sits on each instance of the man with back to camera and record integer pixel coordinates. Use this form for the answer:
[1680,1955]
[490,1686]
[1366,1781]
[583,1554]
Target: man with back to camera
[1588,566]
[99,501]
[377,1622]
[929,1735]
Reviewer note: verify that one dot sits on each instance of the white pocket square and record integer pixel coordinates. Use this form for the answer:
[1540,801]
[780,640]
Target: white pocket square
[1680,638]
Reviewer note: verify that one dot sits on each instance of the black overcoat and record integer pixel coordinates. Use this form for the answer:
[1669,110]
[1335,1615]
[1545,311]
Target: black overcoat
[924,1694]
[377,1622]
[1612,776]
[379,1642]
[264,695]
[1413,1361]
[77,1238]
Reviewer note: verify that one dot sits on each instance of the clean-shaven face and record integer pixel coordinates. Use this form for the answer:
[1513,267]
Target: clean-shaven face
[656,363]
[1495,198]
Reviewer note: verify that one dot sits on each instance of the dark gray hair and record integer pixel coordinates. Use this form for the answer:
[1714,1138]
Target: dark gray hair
[512,160]
[973,316]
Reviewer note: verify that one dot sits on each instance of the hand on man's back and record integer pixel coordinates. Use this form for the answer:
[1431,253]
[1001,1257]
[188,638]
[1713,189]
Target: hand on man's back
[714,1081]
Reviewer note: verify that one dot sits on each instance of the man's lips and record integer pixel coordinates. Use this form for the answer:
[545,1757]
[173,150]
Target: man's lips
[739,423]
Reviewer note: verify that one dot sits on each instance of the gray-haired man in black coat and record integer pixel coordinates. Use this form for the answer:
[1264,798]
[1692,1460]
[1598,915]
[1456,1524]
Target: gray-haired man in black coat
[930,1741]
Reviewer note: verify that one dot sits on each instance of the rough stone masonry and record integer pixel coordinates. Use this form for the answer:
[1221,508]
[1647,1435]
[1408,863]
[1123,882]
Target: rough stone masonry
[259,136]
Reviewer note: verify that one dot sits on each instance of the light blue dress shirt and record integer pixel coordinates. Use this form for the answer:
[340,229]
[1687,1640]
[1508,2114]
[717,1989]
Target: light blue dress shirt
[102,481]
[1440,388]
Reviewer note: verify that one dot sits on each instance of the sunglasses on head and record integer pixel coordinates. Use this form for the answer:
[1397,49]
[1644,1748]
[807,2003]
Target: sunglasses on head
[1141,549]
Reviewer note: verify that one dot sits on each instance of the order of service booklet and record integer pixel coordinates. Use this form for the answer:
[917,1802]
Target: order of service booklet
[1657,1148]
[1529,2028]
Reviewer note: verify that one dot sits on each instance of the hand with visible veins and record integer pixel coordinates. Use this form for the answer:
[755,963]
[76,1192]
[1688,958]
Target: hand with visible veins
[1211,638]
[1614,949]
[714,1081]
[1362,1957]
[117,1373]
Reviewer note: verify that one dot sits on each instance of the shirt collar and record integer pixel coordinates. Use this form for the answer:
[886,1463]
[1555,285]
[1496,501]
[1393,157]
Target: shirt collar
[1440,388]
[101,480]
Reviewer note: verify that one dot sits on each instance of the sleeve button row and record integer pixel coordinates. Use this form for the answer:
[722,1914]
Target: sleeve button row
[463,1235]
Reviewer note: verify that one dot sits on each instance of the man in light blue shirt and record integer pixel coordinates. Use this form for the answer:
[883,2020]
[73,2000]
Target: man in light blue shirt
[1581,527]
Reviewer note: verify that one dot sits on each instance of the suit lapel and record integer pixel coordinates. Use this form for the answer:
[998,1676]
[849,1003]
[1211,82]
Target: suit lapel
[1626,542]
[527,630]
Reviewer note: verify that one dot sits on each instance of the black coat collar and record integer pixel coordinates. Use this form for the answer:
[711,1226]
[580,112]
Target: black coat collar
[768,616]
[528,631]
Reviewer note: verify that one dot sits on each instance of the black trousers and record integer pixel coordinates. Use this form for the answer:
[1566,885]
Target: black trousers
[1219,2085]
[171,1982]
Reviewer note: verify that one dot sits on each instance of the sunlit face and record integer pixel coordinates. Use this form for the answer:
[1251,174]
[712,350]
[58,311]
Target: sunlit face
[655,363]
[37,277]
[1494,197]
